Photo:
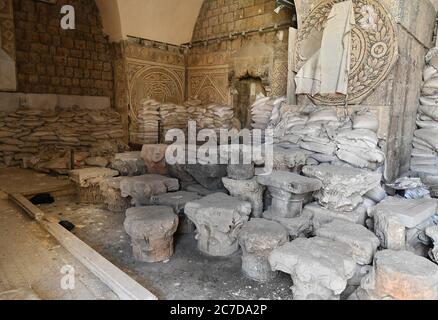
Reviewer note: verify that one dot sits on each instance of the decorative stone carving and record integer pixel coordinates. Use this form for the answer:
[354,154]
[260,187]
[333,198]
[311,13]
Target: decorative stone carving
[209,176]
[178,200]
[218,219]
[87,183]
[288,191]
[142,188]
[151,230]
[129,164]
[112,195]
[257,239]
[374,47]
[363,242]
[209,84]
[247,190]
[399,275]
[320,268]
[154,156]
[343,187]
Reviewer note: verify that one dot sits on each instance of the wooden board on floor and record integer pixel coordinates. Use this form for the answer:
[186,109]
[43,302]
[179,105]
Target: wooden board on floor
[124,286]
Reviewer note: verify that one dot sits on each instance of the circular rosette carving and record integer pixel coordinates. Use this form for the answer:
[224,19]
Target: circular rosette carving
[374,47]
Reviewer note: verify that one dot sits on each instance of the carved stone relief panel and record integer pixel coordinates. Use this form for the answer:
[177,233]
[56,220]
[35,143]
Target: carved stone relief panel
[209,84]
[374,47]
[8,76]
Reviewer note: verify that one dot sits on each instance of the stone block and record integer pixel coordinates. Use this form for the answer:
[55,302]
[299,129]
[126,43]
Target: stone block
[177,201]
[343,187]
[142,188]
[399,275]
[320,268]
[363,242]
[247,190]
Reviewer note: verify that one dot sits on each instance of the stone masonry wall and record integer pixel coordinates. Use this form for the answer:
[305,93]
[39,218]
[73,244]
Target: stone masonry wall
[53,60]
[214,68]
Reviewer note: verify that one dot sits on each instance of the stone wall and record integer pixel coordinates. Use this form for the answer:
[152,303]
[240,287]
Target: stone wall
[147,71]
[213,68]
[53,60]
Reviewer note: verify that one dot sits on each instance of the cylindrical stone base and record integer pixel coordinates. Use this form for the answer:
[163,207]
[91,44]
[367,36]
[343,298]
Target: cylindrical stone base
[152,250]
[217,249]
[257,268]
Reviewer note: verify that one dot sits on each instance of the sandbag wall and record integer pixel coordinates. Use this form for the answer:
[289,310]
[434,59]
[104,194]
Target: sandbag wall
[29,137]
[327,138]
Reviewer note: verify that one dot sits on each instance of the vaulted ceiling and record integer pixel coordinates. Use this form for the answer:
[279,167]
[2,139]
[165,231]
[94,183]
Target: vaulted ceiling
[170,21]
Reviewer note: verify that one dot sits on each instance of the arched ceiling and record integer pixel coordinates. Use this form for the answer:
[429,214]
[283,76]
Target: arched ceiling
[170,21]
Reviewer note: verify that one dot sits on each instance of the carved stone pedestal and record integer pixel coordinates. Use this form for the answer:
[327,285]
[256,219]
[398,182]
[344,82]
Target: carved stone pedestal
[218,219]
[178,200]
[289,192]
[247,190]
[112,195]
[257,239]
[151,230]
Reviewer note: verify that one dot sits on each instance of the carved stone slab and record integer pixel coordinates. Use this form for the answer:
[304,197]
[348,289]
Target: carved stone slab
[374,47]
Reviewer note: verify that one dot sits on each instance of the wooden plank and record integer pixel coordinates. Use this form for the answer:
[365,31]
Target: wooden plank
[124,286]
[291,87]
[33,211]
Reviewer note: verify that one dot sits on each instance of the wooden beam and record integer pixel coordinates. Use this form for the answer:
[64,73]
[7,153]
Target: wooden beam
[123,286]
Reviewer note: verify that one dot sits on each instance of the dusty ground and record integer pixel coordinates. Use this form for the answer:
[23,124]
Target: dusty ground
[188,275]
[31,258]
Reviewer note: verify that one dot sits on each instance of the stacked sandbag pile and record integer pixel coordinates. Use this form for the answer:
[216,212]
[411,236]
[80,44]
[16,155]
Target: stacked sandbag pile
[327,139]
[213,116]
[424,160]
[265,110]
[145,129]
[172,116]
[26,133]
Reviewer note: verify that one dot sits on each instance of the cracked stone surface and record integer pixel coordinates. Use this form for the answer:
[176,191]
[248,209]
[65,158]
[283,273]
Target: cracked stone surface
[142,188]
[112,195]
[151,230]
[257,239]
[321,216]
[400,223]
[320,268]
[343,187]
[399,275]
[247,190]
[289,192]
[218,219]
[432,232]
[129,164]
[178,200]
[363,242]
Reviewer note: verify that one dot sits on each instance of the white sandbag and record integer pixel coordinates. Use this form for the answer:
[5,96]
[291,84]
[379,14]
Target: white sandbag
[429,72]
[365,120]
[325,115]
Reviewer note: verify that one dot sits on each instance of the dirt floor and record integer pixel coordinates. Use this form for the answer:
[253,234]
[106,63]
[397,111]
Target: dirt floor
[188,275]
[31,258]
